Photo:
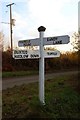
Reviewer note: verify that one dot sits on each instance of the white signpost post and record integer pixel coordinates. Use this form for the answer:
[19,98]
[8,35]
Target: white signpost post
[41,65]
[41,53]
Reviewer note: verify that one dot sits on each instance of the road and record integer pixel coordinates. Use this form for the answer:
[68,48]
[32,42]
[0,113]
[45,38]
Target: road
[11,82]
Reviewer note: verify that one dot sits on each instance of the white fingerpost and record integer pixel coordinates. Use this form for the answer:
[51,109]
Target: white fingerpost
[41,30]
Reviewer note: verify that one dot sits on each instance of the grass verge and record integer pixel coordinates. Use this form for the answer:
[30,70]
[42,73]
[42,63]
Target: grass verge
[29,72]
[18,73]
[62,98]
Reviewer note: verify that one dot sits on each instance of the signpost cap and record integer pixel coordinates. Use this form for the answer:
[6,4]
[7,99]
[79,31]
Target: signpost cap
[41,29]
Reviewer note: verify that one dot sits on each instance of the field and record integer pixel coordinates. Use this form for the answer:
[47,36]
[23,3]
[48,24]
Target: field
[62,97]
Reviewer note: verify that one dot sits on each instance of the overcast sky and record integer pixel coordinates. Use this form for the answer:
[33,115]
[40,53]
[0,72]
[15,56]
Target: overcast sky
[79,15]
[60,17]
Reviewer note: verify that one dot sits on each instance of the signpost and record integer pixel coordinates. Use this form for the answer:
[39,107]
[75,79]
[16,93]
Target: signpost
[41,65]
[41,53]
[26,54]
[51,54]
[34,54]
[46,41]
[56,40]
[31,42]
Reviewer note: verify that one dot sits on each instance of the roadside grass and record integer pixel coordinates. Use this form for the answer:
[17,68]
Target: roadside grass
[62,98]
[28,72]
[18,73]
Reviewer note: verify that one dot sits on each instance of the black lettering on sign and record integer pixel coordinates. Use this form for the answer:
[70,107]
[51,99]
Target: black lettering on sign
[26,43]
[16,51]
[52,53]
[23,52]
[20,52]
[17,56]
[57,42]
[25,56]
[34,55]
[51,38]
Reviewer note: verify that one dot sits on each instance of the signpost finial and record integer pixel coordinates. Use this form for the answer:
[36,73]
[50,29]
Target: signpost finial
[41,29]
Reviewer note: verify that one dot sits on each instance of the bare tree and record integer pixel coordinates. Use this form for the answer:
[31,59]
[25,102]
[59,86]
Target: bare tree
[1,48]
[76,42]
[1,40]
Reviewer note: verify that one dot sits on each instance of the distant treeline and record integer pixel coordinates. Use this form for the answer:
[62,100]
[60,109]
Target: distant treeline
[65,61]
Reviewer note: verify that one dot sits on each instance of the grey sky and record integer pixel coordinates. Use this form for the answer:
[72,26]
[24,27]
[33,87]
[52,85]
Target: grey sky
[79,15]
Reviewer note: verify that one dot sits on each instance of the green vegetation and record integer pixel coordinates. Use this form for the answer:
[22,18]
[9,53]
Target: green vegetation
[65,61]
[18,73]
[27,73]
[62,96]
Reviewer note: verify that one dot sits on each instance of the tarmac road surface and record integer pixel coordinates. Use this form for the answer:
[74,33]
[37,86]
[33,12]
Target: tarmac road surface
[11,82]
